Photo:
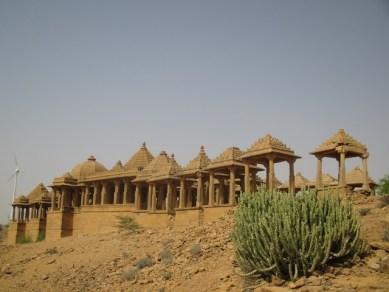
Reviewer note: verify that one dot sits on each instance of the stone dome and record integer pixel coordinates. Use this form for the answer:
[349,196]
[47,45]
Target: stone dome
[86,168]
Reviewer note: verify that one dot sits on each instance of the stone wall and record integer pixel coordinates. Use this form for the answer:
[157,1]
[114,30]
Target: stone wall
[34,227]
[104,218]
[16,232]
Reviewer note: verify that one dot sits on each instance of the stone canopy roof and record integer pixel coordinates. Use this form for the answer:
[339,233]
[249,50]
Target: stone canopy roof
[168,170]
[132,168]
[341,138]
[39,193]
[355,177]
[160,168]
[139,160]
[300,182]
[118,166]
[327,180]
[21,200]
[89,167]
[197,164]
[267,145]
[229,157]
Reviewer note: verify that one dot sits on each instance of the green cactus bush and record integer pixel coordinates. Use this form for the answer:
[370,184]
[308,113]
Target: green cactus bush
[276,233]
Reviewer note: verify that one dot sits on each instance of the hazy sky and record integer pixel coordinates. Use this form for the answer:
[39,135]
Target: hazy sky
[100,77]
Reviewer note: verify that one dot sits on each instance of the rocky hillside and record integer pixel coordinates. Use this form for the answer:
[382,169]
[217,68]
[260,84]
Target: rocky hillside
[198,258]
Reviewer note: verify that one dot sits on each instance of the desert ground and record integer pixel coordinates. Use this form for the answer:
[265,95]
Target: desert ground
[196,258]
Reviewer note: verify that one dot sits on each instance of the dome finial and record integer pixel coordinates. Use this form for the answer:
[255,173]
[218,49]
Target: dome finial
[92,158]
[144,144]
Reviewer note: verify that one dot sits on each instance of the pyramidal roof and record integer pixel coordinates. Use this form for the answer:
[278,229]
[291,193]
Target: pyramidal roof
[156,165]
[199,162]
[300,181]
[38,193]
[327,180]
[118,166]
[21,200]
[355,176]
[268,144]
[167,169]
[231,153]
[139,160]
[339,139]
[229,157]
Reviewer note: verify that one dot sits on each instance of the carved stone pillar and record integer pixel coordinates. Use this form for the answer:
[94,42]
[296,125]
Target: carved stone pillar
[319,173]
[253,181]
[199,201]
[62,199]
[169,195]
[220,194]
[103,193]
[211,190]
[125,191]
[271,175]
[291,177]
[53,196]
[149,196]
[182,193]
[137,196]
[247,187]
[154,198]
[342,169]
[87,195]
[366,185]
[231,197]
[116,192]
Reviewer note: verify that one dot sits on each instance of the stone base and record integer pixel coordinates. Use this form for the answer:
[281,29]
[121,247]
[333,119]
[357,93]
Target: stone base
[16,232]
[105,218]
[35,229]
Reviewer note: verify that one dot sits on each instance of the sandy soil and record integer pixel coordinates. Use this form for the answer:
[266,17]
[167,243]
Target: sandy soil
[198,258]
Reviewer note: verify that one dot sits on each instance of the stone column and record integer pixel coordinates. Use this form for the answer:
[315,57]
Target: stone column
[40,212]
[182,193]
[247,177]
[270,177]
[103,193]
[366,185]
[199,201]
[137,196]
[94,196]
[82,199]
[53,195]
[220,194]
[169,195]
[116,192]
[154,198]
[211,193]
[86,195]
[319,173]
[125,191]
[253,181]
[149,196]
[342,169]
[291,177]
[13,213]
[62,199]
[231,197]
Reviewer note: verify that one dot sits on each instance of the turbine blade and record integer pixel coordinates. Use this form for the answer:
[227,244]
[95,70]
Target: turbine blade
[11,177]
[16,161]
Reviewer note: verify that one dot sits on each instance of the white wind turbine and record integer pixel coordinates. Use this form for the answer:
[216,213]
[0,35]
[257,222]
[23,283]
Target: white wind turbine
[14,175]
